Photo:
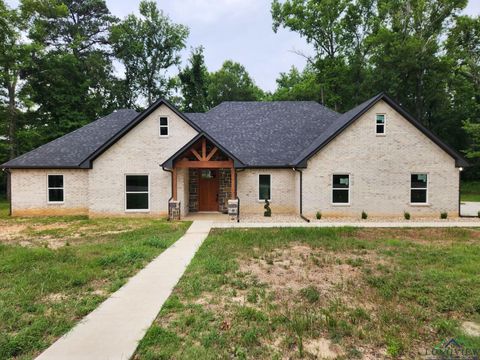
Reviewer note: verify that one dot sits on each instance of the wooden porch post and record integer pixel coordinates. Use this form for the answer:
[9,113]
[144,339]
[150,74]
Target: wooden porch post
[174,184]
[233,183]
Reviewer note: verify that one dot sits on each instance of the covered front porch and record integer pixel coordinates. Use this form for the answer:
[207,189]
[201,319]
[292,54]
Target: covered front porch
[203,180]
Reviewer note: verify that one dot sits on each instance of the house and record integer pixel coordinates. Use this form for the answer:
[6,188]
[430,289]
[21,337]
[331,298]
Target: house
[300,155]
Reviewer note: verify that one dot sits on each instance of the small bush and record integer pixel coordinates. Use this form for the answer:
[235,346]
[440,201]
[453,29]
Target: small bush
[364,215]
[406,215]
[478,214]
[443,215]
[318,215]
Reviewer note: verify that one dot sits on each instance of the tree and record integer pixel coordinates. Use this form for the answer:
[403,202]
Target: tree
[338,30]
[194,83]
[147,46]
[14,55]
[232,83]
[296,85]
[70,75]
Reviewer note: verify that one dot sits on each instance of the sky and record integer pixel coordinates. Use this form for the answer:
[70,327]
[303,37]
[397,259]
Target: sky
[240,30]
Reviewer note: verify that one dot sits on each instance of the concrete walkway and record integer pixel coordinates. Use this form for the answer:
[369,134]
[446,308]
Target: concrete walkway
[113,330]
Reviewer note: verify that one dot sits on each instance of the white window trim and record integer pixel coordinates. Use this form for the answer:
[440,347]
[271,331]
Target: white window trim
[349,190]
[258,184]
[426,203]
[136,192]
[384,124]
[48,188]
[163,126]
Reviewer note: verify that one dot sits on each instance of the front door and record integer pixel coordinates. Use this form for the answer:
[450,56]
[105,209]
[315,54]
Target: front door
[208,190]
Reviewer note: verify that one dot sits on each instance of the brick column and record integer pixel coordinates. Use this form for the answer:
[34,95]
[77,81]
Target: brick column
[174,210]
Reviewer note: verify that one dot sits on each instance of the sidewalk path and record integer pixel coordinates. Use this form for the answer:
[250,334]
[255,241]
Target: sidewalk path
[113,330]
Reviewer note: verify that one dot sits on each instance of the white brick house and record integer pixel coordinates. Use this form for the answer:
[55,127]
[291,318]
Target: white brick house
[302,156]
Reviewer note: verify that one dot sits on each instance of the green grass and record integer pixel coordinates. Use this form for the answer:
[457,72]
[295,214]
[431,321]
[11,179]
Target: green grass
[44,291]
[470,191]
[401,291]
[4,208]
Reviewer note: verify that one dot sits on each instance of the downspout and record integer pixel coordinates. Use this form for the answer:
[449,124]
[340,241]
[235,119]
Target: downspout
[236,192]
[459,192]
[171,191]
[9,190]
[301,194]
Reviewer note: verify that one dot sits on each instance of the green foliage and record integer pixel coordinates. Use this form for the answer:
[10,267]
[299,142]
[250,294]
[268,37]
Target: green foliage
[147,46]
[443,215]
[232,83]
[194,83]
[311,294]
[318,215]
[364,215]
[406,215]
[268,211]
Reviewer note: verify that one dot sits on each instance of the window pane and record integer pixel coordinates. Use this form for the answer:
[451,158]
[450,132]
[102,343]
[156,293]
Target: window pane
[163,121]
[163,131]
[340,196]
[419,181]
[55,181]
[418,196]
[137,201]
[380,119]
[380,129]
[137,183]
[341,181]
[55,195]
[264,187]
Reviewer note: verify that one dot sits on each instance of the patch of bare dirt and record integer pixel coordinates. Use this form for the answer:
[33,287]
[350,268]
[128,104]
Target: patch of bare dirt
[322,348]
[55,297]
[471,329]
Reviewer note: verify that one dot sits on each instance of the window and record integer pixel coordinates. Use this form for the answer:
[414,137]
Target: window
[341,189]
[264,185]
[380,124]
[163,126]
[55,189]
[136,189]
[418,188]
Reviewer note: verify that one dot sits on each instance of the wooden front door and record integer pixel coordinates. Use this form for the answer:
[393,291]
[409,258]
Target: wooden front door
[208,190]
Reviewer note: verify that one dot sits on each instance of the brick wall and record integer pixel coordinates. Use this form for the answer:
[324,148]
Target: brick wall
[29,192]
[380,169]
[224,191]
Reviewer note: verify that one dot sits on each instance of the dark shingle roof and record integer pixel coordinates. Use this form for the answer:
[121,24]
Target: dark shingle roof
[73,148]
[255,134]
[265,133]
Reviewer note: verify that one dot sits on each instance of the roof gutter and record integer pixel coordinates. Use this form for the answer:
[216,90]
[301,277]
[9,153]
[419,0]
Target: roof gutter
[301,194]
[171,197]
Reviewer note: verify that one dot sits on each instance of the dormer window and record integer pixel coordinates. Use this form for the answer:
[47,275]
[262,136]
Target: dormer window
[380,124]
[163,126]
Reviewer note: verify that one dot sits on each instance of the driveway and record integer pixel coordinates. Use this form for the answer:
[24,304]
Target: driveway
[469,208]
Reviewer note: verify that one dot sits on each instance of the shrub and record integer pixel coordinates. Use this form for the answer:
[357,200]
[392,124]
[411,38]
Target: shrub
[406,215]
[318,215]
[478,214]
[364,215]
[443,215]
[268,211]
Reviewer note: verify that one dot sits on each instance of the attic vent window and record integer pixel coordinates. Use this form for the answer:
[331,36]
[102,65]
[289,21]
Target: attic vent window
[163,126]
[380,124]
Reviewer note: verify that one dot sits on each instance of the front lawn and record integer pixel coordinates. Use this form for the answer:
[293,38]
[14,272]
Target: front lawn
[313,293]
[55,270]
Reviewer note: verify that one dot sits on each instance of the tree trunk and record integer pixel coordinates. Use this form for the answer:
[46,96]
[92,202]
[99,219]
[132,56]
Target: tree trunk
[12,120]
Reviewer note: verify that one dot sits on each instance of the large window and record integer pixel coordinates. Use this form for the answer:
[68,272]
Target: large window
[341,189]
[264,187]
[380,124]
[55,189]
[136,189]
[163,126]
[419,189]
